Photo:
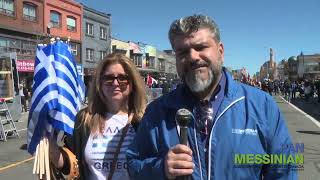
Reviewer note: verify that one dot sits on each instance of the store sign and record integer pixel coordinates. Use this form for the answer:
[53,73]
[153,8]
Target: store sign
[25,65]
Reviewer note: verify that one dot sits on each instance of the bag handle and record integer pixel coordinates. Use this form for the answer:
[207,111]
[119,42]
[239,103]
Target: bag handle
[115,158]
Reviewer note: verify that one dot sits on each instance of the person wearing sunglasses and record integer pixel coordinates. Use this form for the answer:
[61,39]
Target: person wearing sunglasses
[104,128]
[230,122]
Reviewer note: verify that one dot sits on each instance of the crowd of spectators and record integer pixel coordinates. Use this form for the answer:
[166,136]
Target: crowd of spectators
[305,89]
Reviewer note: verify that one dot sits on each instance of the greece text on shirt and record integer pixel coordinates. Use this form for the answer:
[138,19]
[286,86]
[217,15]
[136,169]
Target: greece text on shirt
[100,150]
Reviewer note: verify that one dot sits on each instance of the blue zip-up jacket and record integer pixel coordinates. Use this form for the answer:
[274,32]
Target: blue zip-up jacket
[248,121]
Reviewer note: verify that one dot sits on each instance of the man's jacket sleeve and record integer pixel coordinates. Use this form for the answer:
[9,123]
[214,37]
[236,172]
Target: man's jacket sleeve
[278,140]
[145,162]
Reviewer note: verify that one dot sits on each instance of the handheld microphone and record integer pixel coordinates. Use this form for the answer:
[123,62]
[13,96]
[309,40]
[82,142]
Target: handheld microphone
[183,118]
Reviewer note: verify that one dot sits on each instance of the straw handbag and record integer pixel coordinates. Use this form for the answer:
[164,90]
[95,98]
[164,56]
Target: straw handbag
[74,168]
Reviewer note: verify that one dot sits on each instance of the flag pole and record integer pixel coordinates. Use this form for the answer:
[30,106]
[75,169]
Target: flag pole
[35,164]
[47,162]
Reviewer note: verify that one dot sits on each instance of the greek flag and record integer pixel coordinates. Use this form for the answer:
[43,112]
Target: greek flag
[58,93]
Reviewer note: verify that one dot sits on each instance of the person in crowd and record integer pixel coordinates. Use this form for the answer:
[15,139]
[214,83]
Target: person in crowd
[165,87]
[270,87]
[276,88]
[174,83]
[281,88]
[290,92]
[229,118]
[104,128]
[264,86]
[259,85]
[294,89]
[287,90]
[317,84]
[307,90]
[24,107]
[301,89]
[27,97]
[86,93]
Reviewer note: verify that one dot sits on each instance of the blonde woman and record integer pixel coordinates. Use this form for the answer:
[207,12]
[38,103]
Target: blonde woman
[105,128]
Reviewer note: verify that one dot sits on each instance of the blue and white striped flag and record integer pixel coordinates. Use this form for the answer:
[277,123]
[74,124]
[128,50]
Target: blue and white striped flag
[58,93]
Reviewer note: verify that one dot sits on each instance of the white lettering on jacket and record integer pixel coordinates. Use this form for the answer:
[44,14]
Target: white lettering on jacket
[245,131]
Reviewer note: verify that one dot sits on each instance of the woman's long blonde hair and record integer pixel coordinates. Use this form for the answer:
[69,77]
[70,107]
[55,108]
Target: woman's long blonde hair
[93,115]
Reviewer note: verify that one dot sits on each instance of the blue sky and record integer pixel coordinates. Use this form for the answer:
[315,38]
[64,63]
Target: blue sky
[248,27]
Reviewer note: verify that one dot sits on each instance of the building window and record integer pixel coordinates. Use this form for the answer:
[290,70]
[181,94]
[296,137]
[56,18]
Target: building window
[22,48]
[74,49]
[162,66]
[89,54]
[151,62]
[14,45]
[103,54]
[55,19]
[89,29]
[71,23]
[6,79]
[113,49]
[137,58]
[3,45]
[28,48]
[103,33]
[120,51]
[7,7]
[29,12]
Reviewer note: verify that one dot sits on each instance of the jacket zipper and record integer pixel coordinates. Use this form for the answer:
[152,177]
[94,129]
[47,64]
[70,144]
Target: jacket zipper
[209,155]
[197,148]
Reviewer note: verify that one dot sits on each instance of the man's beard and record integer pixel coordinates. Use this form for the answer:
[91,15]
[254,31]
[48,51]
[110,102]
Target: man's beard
[196,84]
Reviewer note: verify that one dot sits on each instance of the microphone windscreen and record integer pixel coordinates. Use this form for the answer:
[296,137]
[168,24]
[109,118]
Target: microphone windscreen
[183,117]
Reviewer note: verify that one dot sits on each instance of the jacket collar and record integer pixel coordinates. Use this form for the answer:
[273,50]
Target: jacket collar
[182,97]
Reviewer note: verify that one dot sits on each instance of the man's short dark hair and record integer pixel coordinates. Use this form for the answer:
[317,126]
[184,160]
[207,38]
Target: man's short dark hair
[190,24]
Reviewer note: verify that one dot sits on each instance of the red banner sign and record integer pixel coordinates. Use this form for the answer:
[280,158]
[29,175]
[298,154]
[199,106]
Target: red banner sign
[25,65]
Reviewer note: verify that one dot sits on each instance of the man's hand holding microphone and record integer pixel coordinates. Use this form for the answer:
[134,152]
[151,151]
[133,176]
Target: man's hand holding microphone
[178,161]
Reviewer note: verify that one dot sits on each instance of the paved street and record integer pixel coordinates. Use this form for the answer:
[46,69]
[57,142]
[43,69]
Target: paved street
[14,151]
[303,130]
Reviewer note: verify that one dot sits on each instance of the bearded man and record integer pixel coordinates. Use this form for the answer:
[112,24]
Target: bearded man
[229,120]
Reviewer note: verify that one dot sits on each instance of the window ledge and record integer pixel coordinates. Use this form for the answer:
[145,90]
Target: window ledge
[89,35]
[28,20]
[57,27]
[8,15]
[71,30]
